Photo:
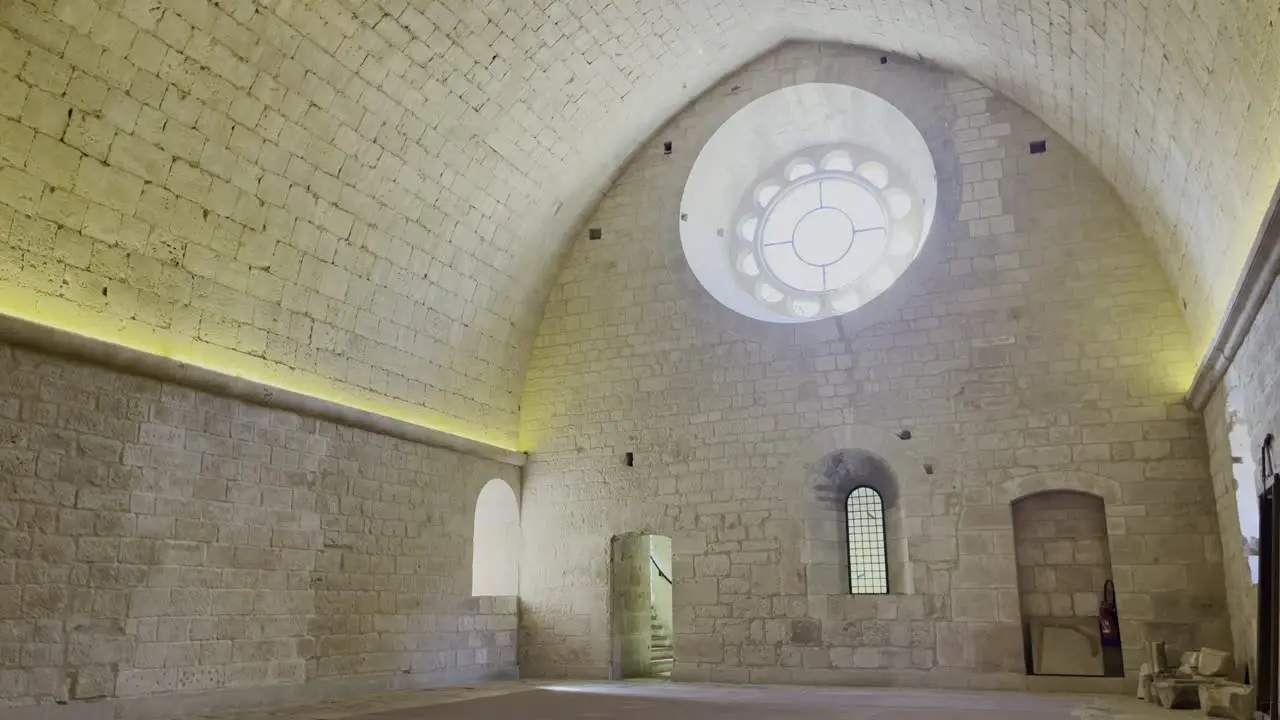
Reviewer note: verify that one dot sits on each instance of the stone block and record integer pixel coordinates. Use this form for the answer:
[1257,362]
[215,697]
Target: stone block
[699,648]
[1174,694]
[806,631]
[975,605]
[932,549]
[1145,676]
[985,518]
[103,184]
[698,591]
[827,580]
[842,657]
[53,162]
[1066,646]
[1227,700]
[954,645]
[1215,663]
[995,571]
[997,647]
[1160,578]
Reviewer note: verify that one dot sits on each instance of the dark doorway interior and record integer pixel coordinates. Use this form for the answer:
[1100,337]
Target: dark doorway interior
[1268,610]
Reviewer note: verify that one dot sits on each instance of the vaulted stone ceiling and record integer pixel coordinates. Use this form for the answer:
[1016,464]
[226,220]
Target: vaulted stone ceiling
[466,141]
[1172,99]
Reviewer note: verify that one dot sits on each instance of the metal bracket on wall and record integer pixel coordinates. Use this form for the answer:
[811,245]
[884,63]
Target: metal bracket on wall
[1267,463]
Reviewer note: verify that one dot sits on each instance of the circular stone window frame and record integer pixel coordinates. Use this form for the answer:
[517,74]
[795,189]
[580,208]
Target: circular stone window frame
[875,174]
[831,107]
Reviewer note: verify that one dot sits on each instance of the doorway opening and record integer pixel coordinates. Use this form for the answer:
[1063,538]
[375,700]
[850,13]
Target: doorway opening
[642,616]
[1064,581]
[1268,680]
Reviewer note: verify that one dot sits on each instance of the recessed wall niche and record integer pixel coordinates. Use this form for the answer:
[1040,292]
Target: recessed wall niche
[850,520]
[1064,564]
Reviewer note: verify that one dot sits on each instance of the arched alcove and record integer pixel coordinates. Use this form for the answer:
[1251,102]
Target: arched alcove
[828,467]
[860,489]
[855,528]
[495,560]
[1064,564]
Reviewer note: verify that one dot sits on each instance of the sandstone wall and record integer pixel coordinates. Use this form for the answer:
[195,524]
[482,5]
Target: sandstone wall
[1033,345]
[1248,395]
[289,190]
[178,550]
[1241,593]
[1255,373]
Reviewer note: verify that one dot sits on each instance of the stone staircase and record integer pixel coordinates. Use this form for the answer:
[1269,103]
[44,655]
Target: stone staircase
[660,652]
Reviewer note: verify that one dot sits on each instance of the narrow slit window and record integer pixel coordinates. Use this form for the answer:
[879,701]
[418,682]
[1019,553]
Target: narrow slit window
[868,560]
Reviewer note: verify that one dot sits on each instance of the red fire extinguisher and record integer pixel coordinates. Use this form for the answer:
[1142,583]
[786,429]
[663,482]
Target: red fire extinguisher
[1109,629]
[1108,618]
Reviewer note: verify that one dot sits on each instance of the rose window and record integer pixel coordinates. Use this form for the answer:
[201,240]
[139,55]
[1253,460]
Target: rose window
[825,232]
[807,203]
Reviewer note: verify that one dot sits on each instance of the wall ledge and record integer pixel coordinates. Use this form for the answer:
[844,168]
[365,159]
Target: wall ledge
[1255,283]
[80,348]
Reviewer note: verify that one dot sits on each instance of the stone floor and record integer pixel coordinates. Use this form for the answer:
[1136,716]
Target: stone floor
[645,700]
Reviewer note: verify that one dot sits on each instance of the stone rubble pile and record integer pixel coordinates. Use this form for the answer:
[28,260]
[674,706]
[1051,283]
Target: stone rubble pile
[1201,680]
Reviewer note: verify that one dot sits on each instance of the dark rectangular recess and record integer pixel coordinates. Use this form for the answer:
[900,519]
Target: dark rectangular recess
[1268,609]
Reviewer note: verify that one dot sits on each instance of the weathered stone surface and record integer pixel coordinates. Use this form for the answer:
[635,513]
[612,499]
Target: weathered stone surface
[743,415]
[1174,694]
[1227,700]
[1240,413]
[292,543]
[1066,647]
[303,212]
[1145,676]
[1215,663]
[262,150]
[806,632]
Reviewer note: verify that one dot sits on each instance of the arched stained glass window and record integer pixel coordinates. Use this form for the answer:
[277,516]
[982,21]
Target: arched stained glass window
[868,559]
